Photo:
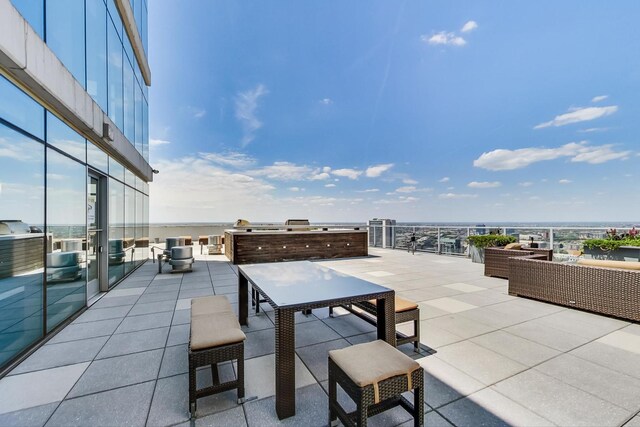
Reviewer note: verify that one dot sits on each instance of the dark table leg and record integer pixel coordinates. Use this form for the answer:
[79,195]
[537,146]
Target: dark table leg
[285,364]
[243,299]
[386,319]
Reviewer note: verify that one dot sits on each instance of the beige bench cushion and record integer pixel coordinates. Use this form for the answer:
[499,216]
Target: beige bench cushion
[372,362]
[610,264]
[401,304]
[210,305]
[213,330]
[513,246]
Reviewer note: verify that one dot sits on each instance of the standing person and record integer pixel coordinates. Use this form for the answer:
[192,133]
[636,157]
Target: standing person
[412,243]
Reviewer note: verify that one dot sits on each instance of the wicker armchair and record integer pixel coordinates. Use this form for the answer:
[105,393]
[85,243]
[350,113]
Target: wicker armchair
[609,291]
[496,260]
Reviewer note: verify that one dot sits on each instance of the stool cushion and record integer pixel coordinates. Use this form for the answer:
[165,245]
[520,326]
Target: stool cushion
[372,362]
[401,304]
[214,330]
[210,305]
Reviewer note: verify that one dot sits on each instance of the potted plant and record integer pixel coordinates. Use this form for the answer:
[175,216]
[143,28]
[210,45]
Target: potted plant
[478,243]
[615,246]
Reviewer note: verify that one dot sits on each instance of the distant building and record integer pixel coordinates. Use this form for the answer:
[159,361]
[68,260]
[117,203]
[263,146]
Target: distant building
[74,159]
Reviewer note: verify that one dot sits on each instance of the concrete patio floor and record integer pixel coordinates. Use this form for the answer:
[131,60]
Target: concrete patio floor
[493,359]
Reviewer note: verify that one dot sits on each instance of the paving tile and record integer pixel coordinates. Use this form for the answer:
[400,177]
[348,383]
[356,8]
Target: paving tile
[482,364]
[449,305]
[66,353]
[30,417]
[464,287]
[547,335]
[314,332]
[175,361]
[435,337]
[559,402]
[80,331]
[107,374]
[609,385]
[179,334]
[489,408]
[125,292]
[260,373]
[181,317]
[610,357]
[196,284]
[193,293]
[349,325]
[94,314]
[145,321]
[259,343]
[622,340]
[38,388]
[152,307]
[158,296]
[458,325]
[183,304]
[443,383]
[231,417]
[133,342]
[258,323]
[105,302]
[431,419]
[380,273]
[311,409]
[634,422]
[123,406]
[170,404]
[225,290]
[163,288]
[315,357]
[492,318]
[515,348]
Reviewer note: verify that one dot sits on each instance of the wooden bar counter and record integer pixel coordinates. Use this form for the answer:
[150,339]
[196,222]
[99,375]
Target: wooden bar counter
[256,246]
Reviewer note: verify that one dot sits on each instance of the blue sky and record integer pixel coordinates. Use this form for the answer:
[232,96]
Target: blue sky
[418,111]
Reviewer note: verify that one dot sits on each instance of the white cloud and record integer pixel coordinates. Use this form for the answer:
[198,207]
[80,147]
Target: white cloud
[579,115]
[283,171]
[484,184]
[369,190]
[599,98]
[158,142]
[503,159]
[445,179]
[234,159]
[197,113]
[246,104]
[409,181]
[400,199]
[326,101]
[457,196]
[320,176]
[408,189]
[377,170]
[590,130]
[444,38]
[294,189]
[565,181]
[330,185]
[347,173]
[469,26]
[525,184]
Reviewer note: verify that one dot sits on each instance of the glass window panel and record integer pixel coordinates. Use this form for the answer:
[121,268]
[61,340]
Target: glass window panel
[115,16]
[116,231]
[97,158]
[142,241]
[97,52]
[116,170]
[145,130]
[21,207]
[66,139]
[144,27]
[129,178]
[19,109]
[128,49]
[65,34]
[66,228]
[129,227]
[116,110]
[129,103]
[33,12]
[139,119]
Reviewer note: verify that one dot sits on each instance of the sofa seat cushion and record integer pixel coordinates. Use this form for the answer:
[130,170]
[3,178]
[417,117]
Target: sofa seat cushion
[610,264]
[214,330]
[401,304]
[210,305]
[513,246]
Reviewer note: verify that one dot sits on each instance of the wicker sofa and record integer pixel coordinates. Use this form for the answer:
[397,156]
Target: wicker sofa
[603,290]
[496,260]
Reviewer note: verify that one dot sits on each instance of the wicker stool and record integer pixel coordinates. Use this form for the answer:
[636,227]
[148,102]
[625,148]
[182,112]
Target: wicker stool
[374,375]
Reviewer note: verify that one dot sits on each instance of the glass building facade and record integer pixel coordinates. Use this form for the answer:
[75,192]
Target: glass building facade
[73,220]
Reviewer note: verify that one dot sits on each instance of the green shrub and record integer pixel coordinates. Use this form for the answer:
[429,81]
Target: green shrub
[611,244]
[490,240]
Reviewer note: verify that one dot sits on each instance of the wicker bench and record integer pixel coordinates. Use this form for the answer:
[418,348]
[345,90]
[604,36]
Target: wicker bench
[496,260]
[215,337]
[374,375]
[599,289]
[406,311]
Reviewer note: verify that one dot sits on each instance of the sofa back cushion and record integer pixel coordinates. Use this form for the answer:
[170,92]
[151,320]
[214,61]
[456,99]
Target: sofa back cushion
[610,264]
[514,246]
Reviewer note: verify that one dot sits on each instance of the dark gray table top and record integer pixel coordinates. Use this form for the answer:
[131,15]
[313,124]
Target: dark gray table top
[289,284]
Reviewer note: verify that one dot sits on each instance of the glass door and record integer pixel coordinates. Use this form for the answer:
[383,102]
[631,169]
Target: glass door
[95,220]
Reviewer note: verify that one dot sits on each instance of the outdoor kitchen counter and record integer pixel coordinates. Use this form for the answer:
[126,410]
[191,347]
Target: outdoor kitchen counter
[244,247]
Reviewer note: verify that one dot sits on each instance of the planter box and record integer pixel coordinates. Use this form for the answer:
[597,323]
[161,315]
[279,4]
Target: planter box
[476,254]
[624,253]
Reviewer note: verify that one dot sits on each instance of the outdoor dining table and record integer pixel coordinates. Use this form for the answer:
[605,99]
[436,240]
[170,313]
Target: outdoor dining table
[300,286]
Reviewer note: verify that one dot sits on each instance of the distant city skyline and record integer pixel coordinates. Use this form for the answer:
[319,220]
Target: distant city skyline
[428,112]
